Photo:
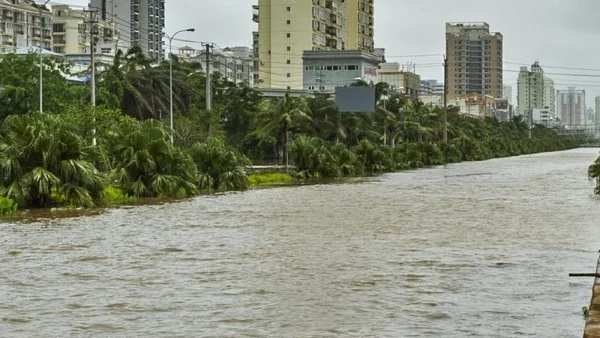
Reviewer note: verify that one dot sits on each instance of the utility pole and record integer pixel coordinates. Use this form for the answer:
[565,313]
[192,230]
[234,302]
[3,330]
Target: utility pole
[445,128]
[529,102]
[208,47]
[93,21]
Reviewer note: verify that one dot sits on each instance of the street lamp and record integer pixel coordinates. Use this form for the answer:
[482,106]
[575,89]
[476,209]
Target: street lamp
[41,60]
[171,75]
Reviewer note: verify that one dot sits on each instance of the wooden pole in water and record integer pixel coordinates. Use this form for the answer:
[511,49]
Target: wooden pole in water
[585,274]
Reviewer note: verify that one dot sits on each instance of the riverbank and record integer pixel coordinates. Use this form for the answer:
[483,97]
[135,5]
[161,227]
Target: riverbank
[592,324]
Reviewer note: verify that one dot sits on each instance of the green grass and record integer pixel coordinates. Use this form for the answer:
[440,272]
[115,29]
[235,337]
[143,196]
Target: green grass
[263,179]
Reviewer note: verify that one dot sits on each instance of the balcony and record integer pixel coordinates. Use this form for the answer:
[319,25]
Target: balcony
[331,30]
[255,13]
[331,43]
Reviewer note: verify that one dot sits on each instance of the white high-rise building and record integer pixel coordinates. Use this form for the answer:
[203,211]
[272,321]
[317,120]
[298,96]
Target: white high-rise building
[570,106]
[535,90]
[549,95]
[507,92]
[140,23]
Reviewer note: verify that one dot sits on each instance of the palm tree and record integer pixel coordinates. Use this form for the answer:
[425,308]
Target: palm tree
[145,164]
[327,121]
[281,115]
[43,159]
[141,89]
[219,166]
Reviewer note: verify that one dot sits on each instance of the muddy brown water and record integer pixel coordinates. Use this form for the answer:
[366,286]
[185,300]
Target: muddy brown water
[479,249]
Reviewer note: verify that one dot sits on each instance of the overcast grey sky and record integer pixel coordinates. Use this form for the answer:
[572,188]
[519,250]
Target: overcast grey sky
[557,33]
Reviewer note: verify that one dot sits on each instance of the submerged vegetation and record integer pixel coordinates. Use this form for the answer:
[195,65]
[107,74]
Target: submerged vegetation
[123,149]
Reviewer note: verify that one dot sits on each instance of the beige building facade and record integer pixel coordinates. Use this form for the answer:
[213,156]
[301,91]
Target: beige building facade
[474,59]
[24,24]
[287,28]
[71,32]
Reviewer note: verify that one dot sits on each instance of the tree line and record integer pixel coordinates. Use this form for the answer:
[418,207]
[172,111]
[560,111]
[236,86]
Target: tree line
[49,159]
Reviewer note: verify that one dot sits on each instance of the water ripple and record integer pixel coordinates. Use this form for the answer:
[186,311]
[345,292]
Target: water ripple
[467,250]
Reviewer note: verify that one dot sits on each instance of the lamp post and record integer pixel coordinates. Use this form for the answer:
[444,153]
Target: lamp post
[41,60]
[171,75]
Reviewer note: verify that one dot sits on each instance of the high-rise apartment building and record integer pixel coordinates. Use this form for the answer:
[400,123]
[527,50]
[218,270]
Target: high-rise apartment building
[23,23]
[535,90]
[474,59]
[570,104]
[507,93]
[140,23]
[286,28]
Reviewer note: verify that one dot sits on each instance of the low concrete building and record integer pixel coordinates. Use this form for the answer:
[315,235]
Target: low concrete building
[325,70]
[407,82]
[503,109]
[431,99]
[543,116]
[236,64]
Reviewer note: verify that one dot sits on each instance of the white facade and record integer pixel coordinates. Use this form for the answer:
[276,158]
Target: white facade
[535,91]
[141,23]
[234,63]
[507,92]
[325,70]
[549,95]
[21,25]
[570,105]
[434,100]
[542,116]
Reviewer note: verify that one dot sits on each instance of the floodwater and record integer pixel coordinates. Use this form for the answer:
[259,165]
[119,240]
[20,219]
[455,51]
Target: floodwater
[479,249]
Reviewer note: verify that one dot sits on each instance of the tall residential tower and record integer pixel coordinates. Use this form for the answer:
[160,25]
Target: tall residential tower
[535,90]
[286,28]
[474,58]
[570,104]
[140,23]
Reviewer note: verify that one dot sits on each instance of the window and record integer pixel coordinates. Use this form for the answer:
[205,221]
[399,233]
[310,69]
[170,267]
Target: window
[289,48]
[289,35]
[289,22]
[289,75]
[289,62]
[288,87]
[289,9]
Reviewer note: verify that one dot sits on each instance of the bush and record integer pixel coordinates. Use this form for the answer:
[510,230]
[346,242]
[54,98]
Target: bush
[7,206]
[114,196]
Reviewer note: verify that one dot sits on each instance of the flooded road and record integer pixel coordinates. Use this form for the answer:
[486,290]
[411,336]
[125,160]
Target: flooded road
[479,249]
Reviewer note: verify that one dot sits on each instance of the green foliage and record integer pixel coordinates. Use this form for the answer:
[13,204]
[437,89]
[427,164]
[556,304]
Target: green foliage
[7,206]
[269,179]
[145,163]
[49,159]
[594,173]
[19,80]
[220,167]
[114,196]
[39,154]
